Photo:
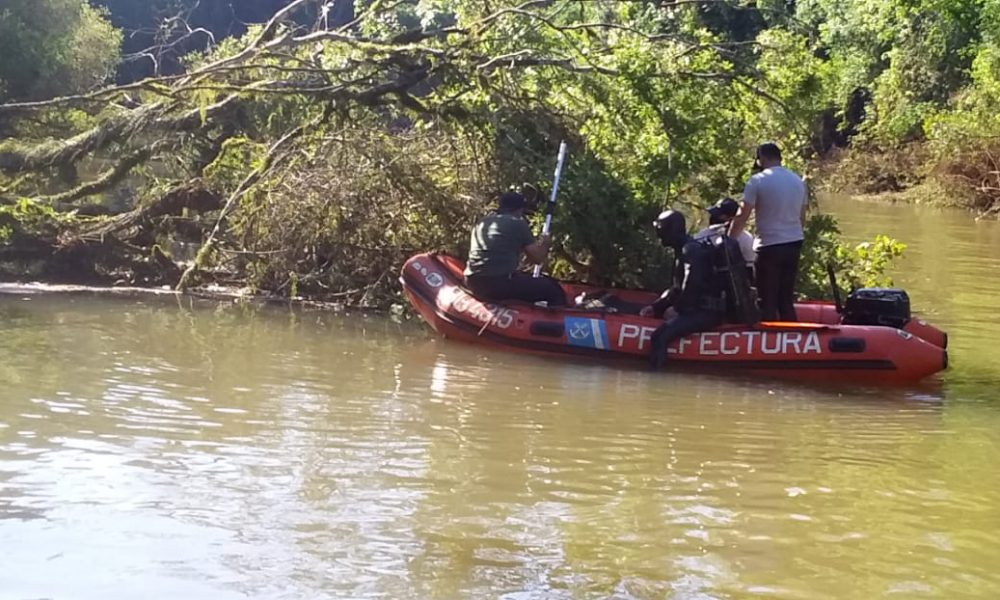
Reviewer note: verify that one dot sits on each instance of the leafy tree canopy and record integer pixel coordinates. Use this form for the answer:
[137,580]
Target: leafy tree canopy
[54,47]
[332,150]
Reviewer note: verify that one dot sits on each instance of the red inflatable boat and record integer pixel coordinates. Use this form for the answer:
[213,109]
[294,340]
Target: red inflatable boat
[822,349]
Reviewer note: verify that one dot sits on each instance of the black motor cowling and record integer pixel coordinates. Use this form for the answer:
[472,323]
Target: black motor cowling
[877,306]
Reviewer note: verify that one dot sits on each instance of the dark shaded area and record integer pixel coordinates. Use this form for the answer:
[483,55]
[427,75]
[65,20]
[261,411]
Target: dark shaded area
[158,33]
[736,23]
[126,248]
[835,129]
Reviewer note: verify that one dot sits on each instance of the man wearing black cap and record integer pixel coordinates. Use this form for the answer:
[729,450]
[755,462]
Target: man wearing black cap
[495,251]
[779,198]
[720,215]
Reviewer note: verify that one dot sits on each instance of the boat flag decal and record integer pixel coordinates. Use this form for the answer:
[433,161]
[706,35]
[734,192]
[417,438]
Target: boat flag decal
[587,333]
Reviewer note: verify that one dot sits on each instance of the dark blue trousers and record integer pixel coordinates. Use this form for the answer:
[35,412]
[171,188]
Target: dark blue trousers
[517,286]
[678,327]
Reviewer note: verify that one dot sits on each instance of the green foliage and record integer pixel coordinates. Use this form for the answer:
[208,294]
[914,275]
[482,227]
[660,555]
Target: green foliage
[661,104]
[27,217]
[862,265]
[237,156]
[928,73]
[867,263]
[964,136]
[911,54]
[54,47]
[345,217]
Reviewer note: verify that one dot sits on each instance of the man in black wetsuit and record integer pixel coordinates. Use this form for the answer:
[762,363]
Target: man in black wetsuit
[696,297]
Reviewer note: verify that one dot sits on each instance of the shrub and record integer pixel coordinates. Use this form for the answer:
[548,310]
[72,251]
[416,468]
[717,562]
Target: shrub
[862,265]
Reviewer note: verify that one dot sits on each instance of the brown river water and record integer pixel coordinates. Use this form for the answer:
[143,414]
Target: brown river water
[158,449]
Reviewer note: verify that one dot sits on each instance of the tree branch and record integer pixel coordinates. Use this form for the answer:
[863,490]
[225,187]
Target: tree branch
[116,129]
[275,155]
[106,180]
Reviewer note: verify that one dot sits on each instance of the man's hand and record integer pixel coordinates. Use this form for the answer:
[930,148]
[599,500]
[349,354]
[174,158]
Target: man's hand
[646,311]
[539,249]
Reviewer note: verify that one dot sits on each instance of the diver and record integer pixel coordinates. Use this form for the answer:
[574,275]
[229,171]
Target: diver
[696,302]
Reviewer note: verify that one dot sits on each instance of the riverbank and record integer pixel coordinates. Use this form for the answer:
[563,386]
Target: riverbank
[910,174]
[209,294]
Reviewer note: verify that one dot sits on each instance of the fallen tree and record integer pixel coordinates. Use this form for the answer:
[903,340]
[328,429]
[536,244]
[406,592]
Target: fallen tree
[312,160]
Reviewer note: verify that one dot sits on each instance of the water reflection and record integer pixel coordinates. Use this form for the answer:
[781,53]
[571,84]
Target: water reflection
[152,450]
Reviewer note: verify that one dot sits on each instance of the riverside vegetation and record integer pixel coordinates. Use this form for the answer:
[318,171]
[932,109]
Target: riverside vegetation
[309,154]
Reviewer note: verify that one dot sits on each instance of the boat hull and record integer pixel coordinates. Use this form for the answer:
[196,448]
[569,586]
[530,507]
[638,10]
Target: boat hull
[817,311]
[814,351]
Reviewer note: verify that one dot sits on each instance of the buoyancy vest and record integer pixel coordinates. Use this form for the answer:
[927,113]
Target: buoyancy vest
[733,278]
[697,283]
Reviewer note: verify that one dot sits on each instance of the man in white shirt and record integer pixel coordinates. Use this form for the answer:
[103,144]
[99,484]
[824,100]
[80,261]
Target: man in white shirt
[719,216]
[779,197]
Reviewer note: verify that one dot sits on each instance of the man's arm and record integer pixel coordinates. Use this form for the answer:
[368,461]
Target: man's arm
[665,301]
[740,220]
[745,241]
[538,250]
[668,297]
[805,203]
[697,274]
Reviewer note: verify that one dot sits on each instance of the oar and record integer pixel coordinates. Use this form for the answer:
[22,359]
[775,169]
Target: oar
[551,206]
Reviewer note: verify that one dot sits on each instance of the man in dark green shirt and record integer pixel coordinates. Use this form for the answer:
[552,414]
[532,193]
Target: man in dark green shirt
[495,252]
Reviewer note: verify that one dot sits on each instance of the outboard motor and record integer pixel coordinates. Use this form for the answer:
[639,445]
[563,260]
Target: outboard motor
[877,306]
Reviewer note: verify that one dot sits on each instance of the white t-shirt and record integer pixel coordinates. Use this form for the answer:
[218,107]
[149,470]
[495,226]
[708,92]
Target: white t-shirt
[778,196]
[744,239]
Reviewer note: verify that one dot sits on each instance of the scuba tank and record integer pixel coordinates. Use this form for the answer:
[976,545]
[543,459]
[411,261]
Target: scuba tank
[732,277]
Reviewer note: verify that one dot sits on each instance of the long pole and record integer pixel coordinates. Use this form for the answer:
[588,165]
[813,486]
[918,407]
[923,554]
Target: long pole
[550,208]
